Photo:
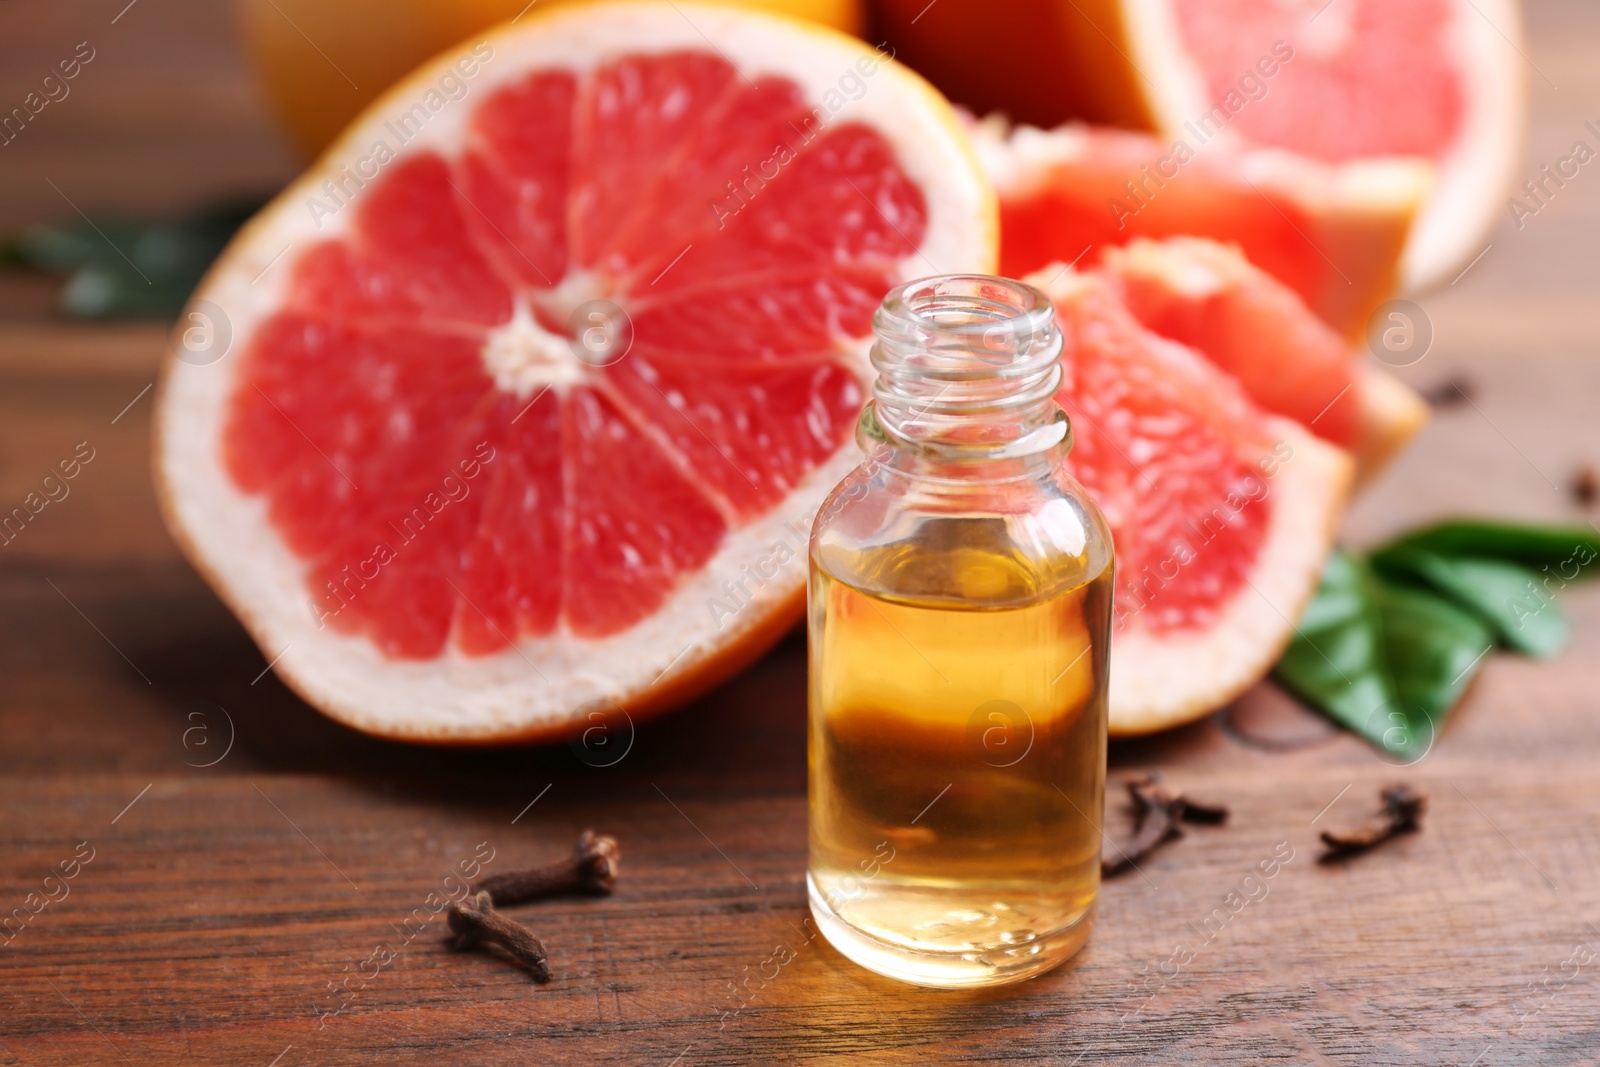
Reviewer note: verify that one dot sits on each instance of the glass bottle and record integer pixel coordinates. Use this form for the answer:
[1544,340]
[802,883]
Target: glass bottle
[959,614]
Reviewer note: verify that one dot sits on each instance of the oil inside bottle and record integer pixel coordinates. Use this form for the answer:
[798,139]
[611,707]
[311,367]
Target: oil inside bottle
[957,753]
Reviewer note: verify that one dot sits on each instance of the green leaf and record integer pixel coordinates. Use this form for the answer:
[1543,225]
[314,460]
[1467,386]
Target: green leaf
[1389,644]
[121,269]
[1564,550]
[1509,597]
[1432,648]
[1386,660]
[101,291]
[1335,661]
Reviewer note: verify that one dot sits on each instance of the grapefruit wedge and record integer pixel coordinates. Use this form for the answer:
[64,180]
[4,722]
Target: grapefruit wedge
[1208,296]
[1442,80]
[518,404]
[1334,234]
[1222,513]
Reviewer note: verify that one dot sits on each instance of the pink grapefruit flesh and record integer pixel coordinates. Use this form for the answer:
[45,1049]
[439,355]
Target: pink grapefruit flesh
[1210,298]
[1160,439]
[621,483]
[1391,67]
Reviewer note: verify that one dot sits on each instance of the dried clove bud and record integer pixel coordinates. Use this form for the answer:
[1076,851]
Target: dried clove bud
[1450,393]
[592,868]
[1401,814]
[1157,811]
[475,922]
[1585,486]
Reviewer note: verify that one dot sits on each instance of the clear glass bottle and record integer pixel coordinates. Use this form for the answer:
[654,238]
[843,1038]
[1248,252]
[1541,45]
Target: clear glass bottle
[960,614]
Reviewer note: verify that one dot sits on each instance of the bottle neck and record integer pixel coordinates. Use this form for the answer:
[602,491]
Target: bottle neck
[968,368]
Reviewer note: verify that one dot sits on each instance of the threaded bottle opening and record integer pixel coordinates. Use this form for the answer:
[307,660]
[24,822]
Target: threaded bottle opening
[968,362]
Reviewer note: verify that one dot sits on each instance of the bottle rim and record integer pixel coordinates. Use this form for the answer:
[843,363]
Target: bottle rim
[966,327]
[968,366]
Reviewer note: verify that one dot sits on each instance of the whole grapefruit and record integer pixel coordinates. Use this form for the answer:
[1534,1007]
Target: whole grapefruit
[322,61]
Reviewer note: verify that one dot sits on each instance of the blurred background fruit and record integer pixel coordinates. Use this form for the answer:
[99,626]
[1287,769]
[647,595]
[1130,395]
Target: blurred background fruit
[1337,82]
[322,61]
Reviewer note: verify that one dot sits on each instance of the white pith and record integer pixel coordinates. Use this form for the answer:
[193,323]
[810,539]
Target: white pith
[1476,177]
[542,682]
[523,357]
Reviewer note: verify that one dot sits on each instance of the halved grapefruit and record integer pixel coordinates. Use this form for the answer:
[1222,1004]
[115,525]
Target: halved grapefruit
[1208,296]
[1338,82]
[530,393]
[1222,514]
[1333,234]
[322,61]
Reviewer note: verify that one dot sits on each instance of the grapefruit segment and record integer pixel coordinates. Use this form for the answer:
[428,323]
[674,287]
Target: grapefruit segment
[1163,679]
[1201,293]
[775,315]
[435,506]
[1222,514]
[406,261]
[641,111]
[1333,234]
[844,200]
[398,399]
[507,586]
[514,177]
[753,434]
[635,521]
[1209,297]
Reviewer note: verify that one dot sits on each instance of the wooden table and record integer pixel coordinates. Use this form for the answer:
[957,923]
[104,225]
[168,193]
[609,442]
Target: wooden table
[253,864]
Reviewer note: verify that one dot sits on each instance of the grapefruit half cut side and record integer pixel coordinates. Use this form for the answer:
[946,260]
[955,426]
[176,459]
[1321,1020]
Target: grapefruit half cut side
[1208,296]
[531,388]
[1335,234]
[1440,80]
[1222,514]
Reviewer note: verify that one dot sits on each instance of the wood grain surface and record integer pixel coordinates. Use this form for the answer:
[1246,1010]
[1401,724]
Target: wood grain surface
[258,879]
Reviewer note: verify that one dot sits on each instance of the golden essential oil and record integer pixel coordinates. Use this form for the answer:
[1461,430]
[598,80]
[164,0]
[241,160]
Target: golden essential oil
[959,619]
